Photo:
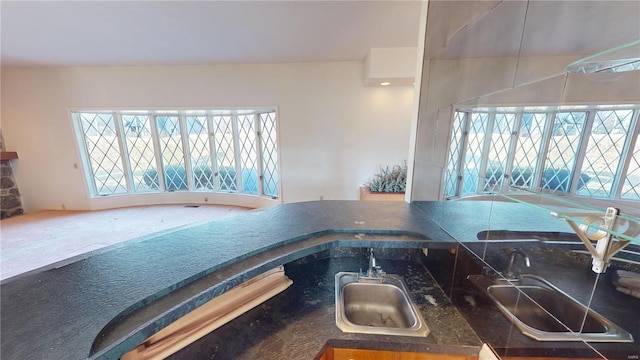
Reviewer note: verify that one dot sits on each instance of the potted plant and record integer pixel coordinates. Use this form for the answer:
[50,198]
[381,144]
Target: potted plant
[388,184]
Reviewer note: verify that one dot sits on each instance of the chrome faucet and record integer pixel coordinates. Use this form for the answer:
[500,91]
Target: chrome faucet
[372,263]
[512,259]
[375,272]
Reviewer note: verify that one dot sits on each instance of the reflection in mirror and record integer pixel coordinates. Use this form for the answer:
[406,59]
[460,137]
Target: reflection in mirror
[528,125]
[527,281]
[618,59]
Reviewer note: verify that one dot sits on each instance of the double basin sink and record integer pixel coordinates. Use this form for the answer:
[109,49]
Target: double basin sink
[376,305]
[382,305]
[545,313]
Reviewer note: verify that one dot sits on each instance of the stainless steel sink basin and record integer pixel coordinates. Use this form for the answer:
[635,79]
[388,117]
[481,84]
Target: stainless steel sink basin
[545,313]
[376,306]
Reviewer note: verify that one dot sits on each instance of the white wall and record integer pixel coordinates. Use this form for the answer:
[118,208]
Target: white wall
[334,132]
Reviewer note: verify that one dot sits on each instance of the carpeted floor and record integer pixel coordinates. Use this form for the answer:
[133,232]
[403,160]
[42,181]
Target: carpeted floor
[46,239]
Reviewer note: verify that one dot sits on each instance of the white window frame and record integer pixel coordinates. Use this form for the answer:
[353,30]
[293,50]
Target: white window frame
[459,164]
[182,115]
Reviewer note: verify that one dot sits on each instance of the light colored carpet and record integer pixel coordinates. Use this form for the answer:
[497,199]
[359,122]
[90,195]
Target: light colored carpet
[45,239]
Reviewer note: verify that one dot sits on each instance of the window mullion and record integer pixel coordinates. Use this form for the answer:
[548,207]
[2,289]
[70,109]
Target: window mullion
[585,134]
[485,152]
[186,152]
[124,152]
[536,182]
[276,162]
[259,155]
[515,131]
[623,166]
[118,127]
[157,148]
[237,151]
[212,152]
[463,153]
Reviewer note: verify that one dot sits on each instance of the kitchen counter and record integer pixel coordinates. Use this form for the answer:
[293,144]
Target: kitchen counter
[302,318]
[102,306]
[567,270]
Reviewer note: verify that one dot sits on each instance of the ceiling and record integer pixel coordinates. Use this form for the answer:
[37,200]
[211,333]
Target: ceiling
[78,33]
[89,32]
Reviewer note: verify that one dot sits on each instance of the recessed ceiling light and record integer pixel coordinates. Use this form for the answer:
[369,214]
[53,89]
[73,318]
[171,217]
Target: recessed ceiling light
[386,83]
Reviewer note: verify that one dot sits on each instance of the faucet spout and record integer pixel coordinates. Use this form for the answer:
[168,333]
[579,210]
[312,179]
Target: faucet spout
[512,259]
[372,262]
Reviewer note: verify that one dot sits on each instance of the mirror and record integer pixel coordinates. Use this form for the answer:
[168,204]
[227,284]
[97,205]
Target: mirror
[493,64]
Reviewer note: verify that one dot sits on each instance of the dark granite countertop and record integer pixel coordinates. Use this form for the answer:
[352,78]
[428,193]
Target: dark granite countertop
[302,318]
[567,270]
[102,306]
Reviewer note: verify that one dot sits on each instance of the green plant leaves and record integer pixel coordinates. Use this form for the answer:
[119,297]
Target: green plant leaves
[389,180]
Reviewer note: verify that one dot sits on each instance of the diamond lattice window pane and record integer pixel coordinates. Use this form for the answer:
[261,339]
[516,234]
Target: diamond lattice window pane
[498,151]
[103,152]
[563,147]
[200,153]
[630,66]
[451,177]
[269,154]
[631,185]
[604,150]
[172,152]
[142,159]
[529,143]
[473,154]
[248,157]
[225,153]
